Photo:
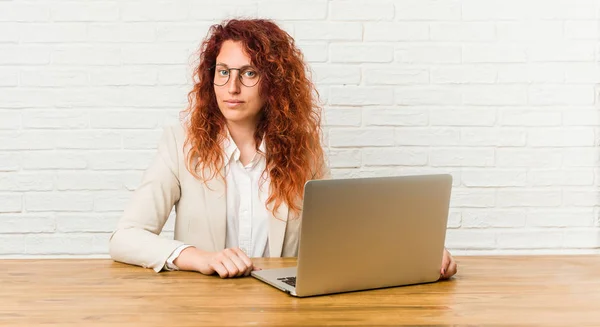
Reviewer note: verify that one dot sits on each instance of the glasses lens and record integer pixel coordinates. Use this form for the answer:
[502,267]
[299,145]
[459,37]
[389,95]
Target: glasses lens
[221,76]
[249,77]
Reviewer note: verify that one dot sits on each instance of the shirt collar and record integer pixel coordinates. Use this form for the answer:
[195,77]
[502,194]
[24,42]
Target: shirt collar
[233,153]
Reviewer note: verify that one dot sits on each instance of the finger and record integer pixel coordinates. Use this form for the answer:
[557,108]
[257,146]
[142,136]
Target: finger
[239,263]
[247,262]
[226,256]
[445,267]
[219,269]
[446,258]
[241,260]
[452,269]
[231,267]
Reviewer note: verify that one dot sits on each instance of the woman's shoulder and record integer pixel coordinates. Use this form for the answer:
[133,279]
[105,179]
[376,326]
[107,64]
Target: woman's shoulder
[172,142]
[173,137]
[176,131]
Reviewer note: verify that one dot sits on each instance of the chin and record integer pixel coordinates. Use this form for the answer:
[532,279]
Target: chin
[236,117]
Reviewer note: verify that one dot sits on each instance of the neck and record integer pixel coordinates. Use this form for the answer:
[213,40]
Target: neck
[242,134]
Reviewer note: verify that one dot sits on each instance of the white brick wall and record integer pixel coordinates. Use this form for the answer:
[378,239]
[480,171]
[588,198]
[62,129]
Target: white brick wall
[502,94]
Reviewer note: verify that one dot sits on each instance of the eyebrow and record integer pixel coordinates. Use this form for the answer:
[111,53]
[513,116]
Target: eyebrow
[243,67]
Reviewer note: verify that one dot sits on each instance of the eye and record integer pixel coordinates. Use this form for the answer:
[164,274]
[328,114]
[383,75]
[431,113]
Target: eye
[223,72]
[250,74]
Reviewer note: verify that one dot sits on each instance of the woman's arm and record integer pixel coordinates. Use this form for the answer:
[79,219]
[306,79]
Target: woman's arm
[136,239]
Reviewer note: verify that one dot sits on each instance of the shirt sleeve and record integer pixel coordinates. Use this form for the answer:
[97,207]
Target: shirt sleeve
[169,265]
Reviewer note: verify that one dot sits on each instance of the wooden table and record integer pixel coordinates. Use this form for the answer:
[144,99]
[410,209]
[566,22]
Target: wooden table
[502,290]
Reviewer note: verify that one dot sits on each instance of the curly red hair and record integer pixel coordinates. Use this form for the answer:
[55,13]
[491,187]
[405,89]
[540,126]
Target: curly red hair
[291,119]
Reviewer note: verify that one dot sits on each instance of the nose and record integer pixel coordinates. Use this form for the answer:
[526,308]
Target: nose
[234,82]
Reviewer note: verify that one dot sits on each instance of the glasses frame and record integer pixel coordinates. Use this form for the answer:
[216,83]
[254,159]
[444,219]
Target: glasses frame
[214,69]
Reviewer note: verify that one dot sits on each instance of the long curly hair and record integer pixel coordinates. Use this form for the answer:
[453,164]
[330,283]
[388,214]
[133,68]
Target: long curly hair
[291,117]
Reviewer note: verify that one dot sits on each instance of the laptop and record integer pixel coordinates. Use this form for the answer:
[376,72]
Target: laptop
[367,233]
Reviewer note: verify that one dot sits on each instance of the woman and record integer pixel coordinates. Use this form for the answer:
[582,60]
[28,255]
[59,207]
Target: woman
[236,168]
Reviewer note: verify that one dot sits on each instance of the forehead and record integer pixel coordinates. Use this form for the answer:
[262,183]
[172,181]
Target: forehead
[232,54]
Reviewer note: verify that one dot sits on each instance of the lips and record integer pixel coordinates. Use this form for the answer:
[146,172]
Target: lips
[233,104]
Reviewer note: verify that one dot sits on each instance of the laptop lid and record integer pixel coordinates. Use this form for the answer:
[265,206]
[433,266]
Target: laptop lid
[370,233]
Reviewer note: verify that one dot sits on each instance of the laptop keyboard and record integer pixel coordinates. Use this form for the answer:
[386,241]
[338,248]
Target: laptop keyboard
[288,280]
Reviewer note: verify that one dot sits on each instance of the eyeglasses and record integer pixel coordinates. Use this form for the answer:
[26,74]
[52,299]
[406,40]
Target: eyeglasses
[247,75]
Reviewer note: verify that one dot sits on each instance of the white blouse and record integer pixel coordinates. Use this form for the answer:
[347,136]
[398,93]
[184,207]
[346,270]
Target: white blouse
[247,216]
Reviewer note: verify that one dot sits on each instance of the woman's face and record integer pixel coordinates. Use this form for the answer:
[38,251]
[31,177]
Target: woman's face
[236,85]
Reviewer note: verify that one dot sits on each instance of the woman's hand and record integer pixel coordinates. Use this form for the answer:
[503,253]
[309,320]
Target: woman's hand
[231,262]
[449,267]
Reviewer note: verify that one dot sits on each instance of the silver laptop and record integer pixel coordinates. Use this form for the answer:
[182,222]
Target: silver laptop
[367,233]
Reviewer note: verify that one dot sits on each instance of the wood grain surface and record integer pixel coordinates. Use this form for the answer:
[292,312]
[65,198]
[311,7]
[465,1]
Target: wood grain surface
[501,290]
